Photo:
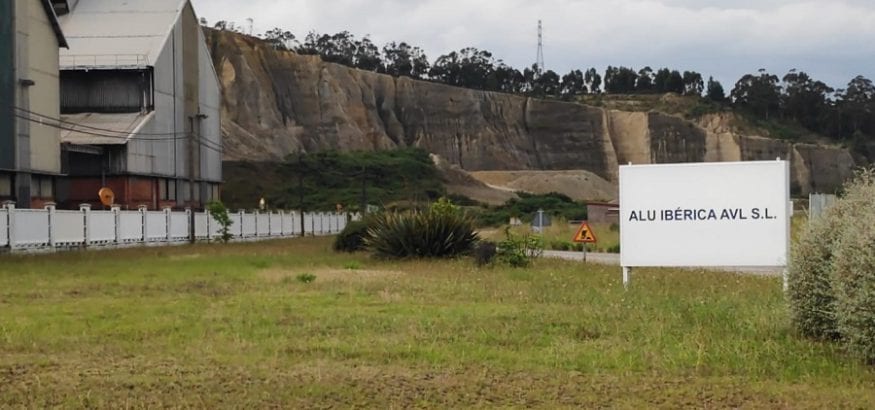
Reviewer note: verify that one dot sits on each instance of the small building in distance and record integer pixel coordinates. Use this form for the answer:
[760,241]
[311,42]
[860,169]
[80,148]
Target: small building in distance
[30,159]
[603,212]
[141,105]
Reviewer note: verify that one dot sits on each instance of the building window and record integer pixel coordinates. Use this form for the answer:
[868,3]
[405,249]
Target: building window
[5,185]
[42,187]
[167,189]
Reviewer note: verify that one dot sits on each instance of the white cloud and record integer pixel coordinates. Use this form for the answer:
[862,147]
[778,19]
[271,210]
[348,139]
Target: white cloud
[833,41]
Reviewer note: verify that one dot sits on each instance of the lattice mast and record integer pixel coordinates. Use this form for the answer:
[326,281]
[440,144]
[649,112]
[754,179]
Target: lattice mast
[539,63]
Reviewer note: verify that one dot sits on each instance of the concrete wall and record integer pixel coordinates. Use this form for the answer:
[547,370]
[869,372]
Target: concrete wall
[34,27]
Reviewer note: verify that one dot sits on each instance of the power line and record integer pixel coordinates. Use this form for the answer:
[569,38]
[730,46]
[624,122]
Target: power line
[62,121]
[201,141]
[123,134]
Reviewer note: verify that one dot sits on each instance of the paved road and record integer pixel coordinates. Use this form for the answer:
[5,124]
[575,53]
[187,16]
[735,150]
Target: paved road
[614,259]
[598,258]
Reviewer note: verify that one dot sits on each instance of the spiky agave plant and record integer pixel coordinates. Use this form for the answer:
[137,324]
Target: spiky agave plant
[421,234]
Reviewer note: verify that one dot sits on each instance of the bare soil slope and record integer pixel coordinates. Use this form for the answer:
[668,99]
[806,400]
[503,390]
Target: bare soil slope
[579,185]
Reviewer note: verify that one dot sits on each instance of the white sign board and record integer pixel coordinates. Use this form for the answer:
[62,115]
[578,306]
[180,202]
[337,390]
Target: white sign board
[705,214]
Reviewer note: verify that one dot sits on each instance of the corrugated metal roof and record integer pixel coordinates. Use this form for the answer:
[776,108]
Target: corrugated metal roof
[111,129]
[114,33]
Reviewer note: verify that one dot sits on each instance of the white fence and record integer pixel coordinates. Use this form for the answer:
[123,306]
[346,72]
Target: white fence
[51,229]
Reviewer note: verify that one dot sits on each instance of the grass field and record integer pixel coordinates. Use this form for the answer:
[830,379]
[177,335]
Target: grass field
[232,326]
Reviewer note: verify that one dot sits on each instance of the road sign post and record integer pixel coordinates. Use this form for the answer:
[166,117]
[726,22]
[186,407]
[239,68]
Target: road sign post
[584,235]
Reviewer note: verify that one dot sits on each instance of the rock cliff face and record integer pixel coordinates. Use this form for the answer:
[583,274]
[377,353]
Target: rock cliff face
[276,103]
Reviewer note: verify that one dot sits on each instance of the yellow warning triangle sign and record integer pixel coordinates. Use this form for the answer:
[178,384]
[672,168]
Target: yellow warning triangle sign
[585,234]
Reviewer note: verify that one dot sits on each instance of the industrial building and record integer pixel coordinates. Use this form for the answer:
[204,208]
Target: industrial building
[30,164]
[140,105]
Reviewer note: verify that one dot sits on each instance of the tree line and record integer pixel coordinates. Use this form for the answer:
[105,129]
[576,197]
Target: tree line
[847,113]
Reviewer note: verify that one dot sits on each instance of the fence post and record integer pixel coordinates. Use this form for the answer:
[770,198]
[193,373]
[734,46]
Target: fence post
[209,226]
[189,217]
[117,219]
[86,214]
[50,208]
[169,226]
[242,215]
[282,215]
[10,208]
[143,209]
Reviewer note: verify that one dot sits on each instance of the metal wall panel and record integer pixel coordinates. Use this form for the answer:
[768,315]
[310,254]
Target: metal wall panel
[262,222]
[4,227]
[68,227]
[211,105]
[131,226]
[201,225]
[276,224]
[237,225]
[248,225]
[42,68]
[30,228]
[317,223]
[179,228]
[216,228]
[101,227]
[308,224]
[159,156]
[156,226]
[288,223]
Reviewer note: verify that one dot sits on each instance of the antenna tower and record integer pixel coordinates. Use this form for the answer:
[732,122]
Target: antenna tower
[540,61]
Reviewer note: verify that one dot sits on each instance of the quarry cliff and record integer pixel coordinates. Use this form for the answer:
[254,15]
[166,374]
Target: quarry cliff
[276,103]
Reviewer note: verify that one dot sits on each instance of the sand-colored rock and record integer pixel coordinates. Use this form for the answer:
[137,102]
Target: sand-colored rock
[276,103]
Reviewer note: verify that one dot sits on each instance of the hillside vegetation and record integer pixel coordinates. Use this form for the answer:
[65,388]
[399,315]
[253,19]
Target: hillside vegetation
[323,180]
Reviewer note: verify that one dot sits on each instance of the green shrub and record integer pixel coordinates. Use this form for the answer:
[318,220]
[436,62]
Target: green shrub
[306,278]
[220,214]
[854,269]
[832,272]
[558,245]
[614,248]
[518,251]
[352,238]
[431,234]
[810,281]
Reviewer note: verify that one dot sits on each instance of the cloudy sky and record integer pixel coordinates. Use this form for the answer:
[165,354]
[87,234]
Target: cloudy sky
[833,40]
